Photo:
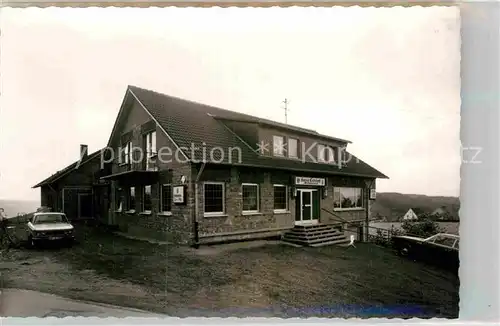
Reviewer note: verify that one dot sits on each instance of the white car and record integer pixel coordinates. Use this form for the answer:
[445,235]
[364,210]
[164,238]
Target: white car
[49,226]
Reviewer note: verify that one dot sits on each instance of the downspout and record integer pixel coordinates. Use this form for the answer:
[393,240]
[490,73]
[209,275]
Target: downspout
[62,201]
[367,217]
[196,208]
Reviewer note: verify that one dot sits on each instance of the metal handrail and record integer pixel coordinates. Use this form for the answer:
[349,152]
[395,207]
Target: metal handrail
[335,215]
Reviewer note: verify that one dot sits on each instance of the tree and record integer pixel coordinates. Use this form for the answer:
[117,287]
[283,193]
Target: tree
[424,227]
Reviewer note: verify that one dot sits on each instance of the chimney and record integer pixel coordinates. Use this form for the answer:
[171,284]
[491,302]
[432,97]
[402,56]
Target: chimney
[83,150]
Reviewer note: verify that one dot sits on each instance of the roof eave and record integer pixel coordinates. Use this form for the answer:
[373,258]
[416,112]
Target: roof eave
[53,178]
[380,176]
[297,129]
[383,176]
[310,133]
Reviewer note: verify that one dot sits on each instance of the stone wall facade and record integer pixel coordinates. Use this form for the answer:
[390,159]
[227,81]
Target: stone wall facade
[233,223]
[175,227]
[186,220]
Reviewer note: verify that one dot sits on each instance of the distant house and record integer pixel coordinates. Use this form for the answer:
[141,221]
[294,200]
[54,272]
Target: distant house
[411,214]
[77,189]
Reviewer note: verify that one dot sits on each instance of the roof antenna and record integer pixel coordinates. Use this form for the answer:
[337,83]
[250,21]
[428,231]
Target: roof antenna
[286,102]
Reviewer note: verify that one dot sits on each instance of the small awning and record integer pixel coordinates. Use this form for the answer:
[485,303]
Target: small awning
[132,175]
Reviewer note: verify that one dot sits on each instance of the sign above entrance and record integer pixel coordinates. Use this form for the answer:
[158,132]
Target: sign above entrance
[304,181]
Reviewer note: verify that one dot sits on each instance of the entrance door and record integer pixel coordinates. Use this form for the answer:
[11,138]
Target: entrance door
[306,210]
[85,205]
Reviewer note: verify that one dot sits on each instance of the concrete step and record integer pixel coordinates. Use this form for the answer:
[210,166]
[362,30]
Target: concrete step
[318,233]
[330,243]
[326,239]
[317,238]
[312,227]
[308,241]
[313,233]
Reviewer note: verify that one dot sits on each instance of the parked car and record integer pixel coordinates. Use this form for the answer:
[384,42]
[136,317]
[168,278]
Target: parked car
[441,249]
[50,226]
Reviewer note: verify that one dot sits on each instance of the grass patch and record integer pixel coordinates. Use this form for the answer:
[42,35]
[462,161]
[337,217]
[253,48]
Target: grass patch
[280,281]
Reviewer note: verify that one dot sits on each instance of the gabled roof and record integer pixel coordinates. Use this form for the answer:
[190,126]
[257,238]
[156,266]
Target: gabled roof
[277,125]
[188,123]
[417,210]
[70,168]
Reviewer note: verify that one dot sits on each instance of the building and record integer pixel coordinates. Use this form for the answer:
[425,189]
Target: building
[191,173]
[77,190]
[411,214]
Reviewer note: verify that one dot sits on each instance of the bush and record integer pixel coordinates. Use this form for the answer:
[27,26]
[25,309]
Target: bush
[424,228]
[383,237]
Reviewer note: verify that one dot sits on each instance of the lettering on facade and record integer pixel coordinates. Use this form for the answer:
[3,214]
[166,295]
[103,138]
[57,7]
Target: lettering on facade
[305,181]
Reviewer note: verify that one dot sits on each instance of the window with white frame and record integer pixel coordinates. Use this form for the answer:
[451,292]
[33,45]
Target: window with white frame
[131,199]
[150,140]
[150,149]
[214,200]
[166,198]
[293,148]
[280,198]
[250,192]
[146,199]
[279,145]
[126,153]
[347,198]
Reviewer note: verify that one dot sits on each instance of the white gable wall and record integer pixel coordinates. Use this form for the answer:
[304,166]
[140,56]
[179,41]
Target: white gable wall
[410,215]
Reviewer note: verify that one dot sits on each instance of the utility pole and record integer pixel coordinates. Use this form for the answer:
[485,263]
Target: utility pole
[286,102]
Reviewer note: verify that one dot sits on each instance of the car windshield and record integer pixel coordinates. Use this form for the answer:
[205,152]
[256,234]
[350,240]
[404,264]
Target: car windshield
[431,239]
[49,218]
[443,240]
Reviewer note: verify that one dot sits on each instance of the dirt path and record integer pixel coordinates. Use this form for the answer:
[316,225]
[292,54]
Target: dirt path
[40,271]
[25,303]
[267,281]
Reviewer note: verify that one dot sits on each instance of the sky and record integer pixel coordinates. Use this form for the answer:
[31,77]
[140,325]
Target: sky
[387,79]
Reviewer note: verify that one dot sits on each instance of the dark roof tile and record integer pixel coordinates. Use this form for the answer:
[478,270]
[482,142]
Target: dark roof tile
[59,174]
[194,124]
